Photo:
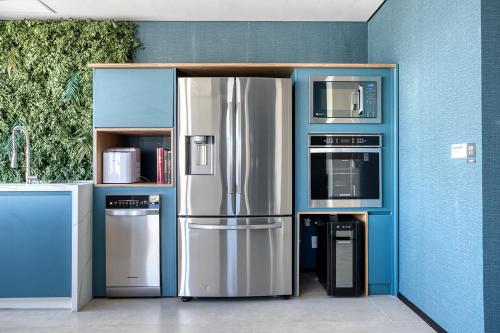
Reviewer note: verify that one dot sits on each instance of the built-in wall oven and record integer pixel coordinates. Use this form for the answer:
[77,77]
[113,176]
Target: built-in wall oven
[345,99]
[345,170]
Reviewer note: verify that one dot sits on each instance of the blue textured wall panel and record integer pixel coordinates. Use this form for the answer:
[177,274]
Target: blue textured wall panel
[491,162]
[35,244]
[437,45]
[252,42]
[168,236]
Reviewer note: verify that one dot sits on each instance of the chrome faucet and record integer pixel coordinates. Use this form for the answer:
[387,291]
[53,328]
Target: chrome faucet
[13,163]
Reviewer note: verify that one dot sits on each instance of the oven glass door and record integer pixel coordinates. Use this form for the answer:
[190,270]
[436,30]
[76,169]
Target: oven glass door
[336,100]
[345,177]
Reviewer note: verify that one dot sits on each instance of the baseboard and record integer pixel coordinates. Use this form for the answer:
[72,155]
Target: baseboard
[36,303]
[421,314]
[379,289]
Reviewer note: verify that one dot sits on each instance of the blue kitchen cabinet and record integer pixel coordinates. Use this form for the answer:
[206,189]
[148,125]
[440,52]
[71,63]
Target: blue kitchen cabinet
[134,97]
[168,237]
[380,245]
[35,244]
[383,220]
[388,129]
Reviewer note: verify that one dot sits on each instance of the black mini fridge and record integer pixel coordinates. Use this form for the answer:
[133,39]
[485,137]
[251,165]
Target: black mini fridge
[340,256]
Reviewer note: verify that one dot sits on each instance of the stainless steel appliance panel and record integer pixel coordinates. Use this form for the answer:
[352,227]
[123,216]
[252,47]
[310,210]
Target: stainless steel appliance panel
[132,252]
[222,257]
[344,260]
[263,143]
[205,116]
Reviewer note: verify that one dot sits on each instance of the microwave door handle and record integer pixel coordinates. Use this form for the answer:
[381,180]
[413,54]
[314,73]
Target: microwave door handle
[361,100]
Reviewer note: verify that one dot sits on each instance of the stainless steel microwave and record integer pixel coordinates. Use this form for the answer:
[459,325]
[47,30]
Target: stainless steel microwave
[345,99]
[345,170]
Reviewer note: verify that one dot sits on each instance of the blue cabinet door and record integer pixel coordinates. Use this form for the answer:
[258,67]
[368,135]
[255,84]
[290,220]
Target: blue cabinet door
[35,244]
[380,263]
[134,97]
[168,239]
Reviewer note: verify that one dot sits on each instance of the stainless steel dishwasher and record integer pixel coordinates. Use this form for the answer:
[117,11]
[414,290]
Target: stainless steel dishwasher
[132,245]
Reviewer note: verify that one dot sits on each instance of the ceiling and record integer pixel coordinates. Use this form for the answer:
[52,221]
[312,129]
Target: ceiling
[193,10]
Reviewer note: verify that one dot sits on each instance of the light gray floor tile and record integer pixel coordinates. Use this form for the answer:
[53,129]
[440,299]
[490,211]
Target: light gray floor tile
[312,312]
[27,318]
[343,327]
[394,308]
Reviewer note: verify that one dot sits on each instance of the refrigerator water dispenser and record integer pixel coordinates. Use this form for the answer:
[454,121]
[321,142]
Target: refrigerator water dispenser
[200,153]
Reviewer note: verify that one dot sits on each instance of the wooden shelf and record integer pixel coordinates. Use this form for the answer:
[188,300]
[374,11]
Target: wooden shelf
[236,69]
[142,184]
[105,138]
[184,65]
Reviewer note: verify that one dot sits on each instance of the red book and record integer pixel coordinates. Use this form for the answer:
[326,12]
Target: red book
[160,165]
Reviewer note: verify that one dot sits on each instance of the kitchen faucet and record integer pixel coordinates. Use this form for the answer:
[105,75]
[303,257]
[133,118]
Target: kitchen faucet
[13,163]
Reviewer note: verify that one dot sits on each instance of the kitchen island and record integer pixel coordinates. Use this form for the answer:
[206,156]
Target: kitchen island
[46,245]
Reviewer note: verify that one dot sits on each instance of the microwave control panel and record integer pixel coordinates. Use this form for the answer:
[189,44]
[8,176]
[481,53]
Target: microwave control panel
[345,140]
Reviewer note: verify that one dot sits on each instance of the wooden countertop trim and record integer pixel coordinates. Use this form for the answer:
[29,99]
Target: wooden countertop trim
[238,65]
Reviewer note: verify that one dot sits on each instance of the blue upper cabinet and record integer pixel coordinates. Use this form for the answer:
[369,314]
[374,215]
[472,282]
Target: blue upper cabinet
[134,97]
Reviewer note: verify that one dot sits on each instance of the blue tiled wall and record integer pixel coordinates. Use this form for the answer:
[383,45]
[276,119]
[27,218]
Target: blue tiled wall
[342,42]
[437,45]
[491,152]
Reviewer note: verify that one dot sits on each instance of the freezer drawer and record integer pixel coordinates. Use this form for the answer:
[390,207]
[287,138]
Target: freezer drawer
[226,257]
[132,254]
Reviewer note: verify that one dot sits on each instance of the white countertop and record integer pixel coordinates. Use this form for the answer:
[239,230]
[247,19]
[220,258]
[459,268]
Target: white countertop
[43,186]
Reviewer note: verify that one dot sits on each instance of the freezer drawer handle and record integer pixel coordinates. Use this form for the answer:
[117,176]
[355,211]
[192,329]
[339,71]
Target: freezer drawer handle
[234,227]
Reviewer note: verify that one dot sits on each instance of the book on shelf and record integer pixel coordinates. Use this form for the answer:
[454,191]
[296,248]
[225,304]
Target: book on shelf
[160,166]
[168,166]
[163,166]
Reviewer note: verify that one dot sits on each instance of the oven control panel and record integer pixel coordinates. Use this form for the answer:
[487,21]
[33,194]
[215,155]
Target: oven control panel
[132,201]
[345,140]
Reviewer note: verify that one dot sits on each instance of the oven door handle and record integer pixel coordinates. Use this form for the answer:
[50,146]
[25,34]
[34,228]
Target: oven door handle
[344,150]
[234,227]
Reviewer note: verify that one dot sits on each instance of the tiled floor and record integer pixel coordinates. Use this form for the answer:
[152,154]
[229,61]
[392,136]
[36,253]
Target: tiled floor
[312,312]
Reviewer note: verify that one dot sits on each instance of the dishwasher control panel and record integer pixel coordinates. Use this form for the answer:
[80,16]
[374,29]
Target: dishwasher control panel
[132,201]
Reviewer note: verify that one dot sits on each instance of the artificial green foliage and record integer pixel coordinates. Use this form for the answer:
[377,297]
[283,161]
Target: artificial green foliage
[46,87]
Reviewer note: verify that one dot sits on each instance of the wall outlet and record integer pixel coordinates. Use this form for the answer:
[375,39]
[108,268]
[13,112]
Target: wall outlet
[314,242]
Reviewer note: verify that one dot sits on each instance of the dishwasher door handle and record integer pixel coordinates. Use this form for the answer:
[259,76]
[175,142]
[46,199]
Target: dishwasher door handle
[235,227]
[132,212]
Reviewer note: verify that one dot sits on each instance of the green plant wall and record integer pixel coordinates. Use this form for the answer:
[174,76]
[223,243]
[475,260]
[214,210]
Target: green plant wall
[46,87]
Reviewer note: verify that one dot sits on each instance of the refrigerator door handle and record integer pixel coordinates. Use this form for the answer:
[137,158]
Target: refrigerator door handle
[239,145]
[235,227]
[230,149]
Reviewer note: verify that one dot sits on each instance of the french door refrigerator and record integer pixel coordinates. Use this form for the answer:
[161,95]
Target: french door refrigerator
[234,187]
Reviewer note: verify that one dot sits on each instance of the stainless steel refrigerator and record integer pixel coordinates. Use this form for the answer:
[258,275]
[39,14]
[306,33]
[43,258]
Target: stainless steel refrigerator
[234,187]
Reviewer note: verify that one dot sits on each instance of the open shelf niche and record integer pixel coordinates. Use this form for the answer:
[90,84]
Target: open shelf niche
[361,216]
[147,139]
